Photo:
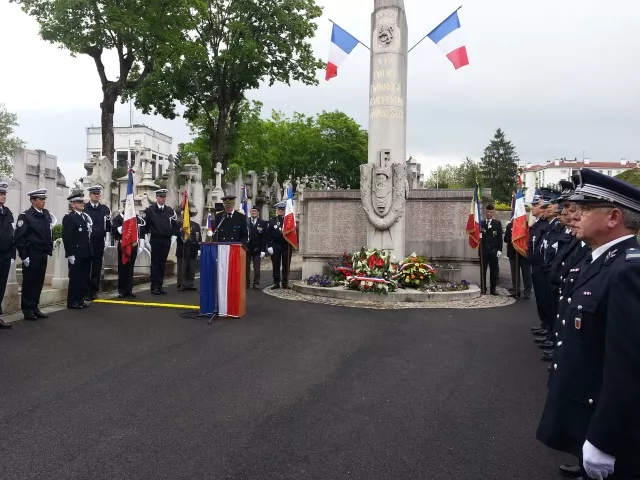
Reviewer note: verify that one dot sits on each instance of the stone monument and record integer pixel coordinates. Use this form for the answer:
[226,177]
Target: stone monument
[383,180]
[99,172]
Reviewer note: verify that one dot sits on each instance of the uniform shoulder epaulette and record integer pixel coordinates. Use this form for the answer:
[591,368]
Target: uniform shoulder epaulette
[633,255]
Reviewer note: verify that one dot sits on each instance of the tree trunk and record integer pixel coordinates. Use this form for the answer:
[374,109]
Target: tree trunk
[221,138]
[107,106]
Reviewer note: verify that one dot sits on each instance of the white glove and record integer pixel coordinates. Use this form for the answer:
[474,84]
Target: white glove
[198,253]
[120,230]
[597,464]
[262,254]
[107,240]
[25,262]
[72,259]
[141,243]
[270,250]
[13,260]
[499,254]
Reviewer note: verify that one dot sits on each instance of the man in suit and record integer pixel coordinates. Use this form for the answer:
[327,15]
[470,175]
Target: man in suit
[491,249]
[78,247]
[125,271]
[591,409]
[187,253]
[161,224]
[279,248]
[231,225]
[257,246]
[100,233]
[34,241]
[7,246]
[519,265]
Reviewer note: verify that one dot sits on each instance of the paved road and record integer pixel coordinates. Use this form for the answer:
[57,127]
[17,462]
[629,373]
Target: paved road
[292,391]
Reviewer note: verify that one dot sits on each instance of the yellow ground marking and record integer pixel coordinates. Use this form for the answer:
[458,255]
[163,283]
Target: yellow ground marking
[147,304]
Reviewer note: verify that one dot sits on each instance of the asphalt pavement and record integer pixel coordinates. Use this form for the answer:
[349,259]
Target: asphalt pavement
[291,391]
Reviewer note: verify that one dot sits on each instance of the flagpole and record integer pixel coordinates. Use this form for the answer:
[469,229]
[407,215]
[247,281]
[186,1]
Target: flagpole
[365,46]
[422,39]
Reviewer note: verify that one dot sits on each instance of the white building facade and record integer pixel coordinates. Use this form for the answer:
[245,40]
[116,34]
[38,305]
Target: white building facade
[548,175]
[160,146]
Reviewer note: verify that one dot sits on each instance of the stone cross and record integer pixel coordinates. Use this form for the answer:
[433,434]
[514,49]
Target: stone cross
[218,171]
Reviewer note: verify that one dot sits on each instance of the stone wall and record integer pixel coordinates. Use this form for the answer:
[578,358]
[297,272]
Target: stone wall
[334,221]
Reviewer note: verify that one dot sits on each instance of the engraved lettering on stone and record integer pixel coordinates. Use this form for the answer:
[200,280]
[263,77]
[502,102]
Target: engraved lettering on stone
[386,100]
[385,87]
[387,14]
[385,112]
[385,73]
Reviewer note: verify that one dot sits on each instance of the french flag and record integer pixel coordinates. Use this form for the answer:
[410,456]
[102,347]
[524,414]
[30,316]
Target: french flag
[473,222]
[130,223]
[289,230]
[448,37]
[342,44]
[520,228]
[224,290]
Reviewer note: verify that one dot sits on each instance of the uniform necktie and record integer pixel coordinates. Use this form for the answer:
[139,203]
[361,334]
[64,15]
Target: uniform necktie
[588,259]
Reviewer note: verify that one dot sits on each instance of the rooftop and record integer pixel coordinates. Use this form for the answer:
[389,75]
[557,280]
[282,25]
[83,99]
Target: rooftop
[575,163]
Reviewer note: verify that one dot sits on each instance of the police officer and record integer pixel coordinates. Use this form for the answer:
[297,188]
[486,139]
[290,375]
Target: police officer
[126,270]
[491,249]
[231,225]
[535,235]
[7,245]
[78,246]
[257,246]
[34,241]
[101,230]
[519,265]
[279,248]
[162,225]
[187,253]
[591,409]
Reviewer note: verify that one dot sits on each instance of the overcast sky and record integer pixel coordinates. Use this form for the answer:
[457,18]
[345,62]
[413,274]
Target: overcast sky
[559,77]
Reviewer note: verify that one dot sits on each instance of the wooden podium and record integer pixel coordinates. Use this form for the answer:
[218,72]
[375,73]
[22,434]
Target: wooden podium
[223,279]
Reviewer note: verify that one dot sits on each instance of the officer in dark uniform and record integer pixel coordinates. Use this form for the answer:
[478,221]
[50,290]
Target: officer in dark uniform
[279,248]
[535,234]
[78,246]
[520,276]
[125,271]
[34,241]
[187,253]
[100,232]
[257,246]
[591,409]
[7,246]
[161,223]
[491,249]
[230,225]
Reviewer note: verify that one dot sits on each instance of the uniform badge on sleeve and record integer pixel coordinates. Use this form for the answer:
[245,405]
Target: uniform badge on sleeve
[632,255]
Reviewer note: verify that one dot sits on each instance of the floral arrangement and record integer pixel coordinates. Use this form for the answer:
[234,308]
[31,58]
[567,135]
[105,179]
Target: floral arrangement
[413,272]
[320,281]
[373,272]
[341,267]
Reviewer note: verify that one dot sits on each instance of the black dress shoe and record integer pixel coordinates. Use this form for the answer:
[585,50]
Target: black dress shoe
[276,286]
[131,295]
[162,291]
[286,286]
[40,314]
[75,307]
[493,292]
[85,305]
[541,332]
[29,315]
[256,287]
[533,329]
[571,471]
[527,297]
[191,289]
[547,344]
[121,295]
[540,340]
[4,325]
[156,291]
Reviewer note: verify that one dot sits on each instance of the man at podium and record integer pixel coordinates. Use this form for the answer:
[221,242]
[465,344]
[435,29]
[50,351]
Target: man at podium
[231,225]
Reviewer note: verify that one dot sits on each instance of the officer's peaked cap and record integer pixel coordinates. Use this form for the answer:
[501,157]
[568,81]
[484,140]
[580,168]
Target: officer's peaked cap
[40,193]
[597,187]
[95,189]
[3,187]
[281,205]
[162,192]
[567,188]
[228,198]
[76,197]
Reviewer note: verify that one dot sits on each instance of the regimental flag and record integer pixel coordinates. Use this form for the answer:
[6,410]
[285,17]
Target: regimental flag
[186,217]
[209,221]
[289,230]
[342,44]
[473,222]
[448,37]
[130,223]
[520,227]
[243,200]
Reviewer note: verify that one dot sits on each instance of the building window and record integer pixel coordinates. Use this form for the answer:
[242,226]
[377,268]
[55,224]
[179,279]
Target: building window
[609,172]
[599,171]
[160,170]
[153,171]
[122,159]
[153,157]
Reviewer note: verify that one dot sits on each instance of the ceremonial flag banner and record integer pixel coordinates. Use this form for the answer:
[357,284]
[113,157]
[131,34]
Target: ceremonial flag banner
[186,216]
[520,228]
[448,37]
[289,230]
[473,222]
[342,43]
[243,200]
[130,223]
[222,279]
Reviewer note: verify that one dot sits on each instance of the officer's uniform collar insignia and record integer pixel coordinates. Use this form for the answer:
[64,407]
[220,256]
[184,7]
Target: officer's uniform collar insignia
[610,256]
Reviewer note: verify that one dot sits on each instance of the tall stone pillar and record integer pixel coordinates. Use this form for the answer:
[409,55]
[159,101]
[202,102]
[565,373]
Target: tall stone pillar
[383,184]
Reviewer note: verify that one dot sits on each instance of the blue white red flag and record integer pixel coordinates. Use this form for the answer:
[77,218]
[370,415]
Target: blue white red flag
[209,221]
[243,200]
[448,37]
[130,223]
[520,228]
[473,222]
[342,44]
[289,230]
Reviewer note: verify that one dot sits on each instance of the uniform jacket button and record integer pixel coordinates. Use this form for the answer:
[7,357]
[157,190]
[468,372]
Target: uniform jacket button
[561,297]
[555,366]
[560,343]
[579,307]
[556,334]
[591,401]
[569,300]
[563,323]
[558,316]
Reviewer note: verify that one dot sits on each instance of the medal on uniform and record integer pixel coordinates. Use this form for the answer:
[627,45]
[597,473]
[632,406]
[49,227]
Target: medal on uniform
[578,323]
[586,293]
[79,229]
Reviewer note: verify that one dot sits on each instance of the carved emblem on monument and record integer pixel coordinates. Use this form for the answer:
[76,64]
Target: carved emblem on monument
[383,190]
[385,34]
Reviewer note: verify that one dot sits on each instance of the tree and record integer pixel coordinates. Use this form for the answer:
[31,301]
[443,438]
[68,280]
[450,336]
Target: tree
[631,176]
[141,32]
[234,46]
[444,177]
[499,166]
[8,142]
[468,173]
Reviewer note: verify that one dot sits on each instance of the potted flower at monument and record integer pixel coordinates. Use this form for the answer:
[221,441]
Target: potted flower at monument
[372,272]
[414,272]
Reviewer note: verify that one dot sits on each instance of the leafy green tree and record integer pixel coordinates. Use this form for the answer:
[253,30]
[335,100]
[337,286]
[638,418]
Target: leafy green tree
[631,176]
[468,173]
[444,177]
[141,32]
[8,142]
[234,46]
[498,167]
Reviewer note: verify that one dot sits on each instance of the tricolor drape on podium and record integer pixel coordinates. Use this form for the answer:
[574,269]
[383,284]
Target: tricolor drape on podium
[222,279]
